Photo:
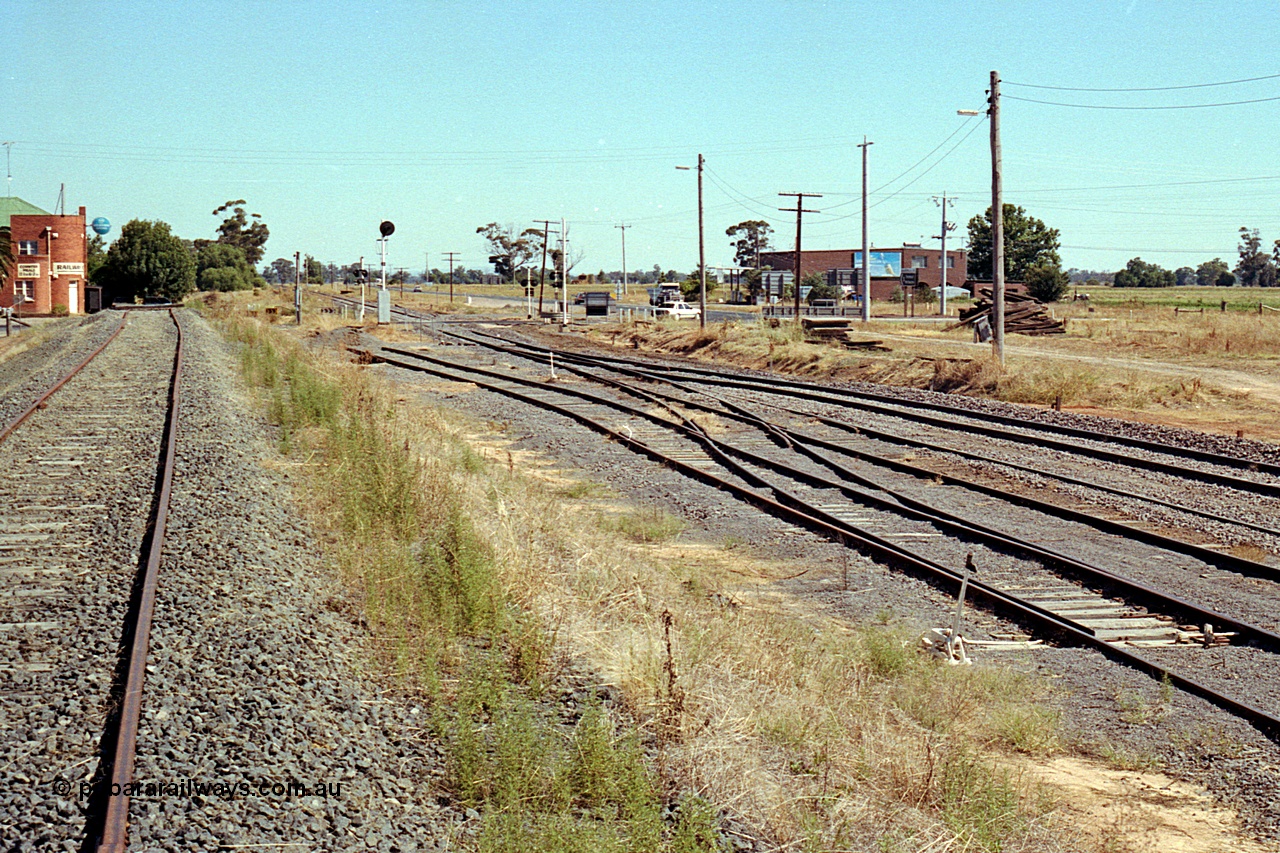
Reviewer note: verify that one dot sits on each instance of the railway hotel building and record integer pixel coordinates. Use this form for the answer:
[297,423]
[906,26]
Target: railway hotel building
[50,256]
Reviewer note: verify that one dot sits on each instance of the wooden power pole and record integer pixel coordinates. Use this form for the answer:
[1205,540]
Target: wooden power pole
[799,210]
[997,224]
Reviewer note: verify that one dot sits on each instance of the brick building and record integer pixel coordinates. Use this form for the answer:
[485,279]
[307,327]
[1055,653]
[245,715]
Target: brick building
[50,259]
[886,265]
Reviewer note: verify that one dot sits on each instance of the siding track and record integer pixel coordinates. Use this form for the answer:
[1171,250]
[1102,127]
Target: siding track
[771,456]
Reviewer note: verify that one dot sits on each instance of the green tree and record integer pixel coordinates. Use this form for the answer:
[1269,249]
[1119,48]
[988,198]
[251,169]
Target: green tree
[1184,276]
[508,251]
[314,270]
[1139,273]
[819,289]
[750,239]
[224,268]
[97,256]
[1255,268]
[237,230]
[1046,282]
[1027,243]
[284,270]
[148,260]
[1208,273]
[692,283]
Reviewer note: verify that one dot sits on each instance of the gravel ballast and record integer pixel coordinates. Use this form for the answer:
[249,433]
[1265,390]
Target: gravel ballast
[255,677]
[1097,698]
[68,555]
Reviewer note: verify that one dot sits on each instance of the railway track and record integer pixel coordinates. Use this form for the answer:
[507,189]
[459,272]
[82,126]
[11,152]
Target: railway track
[82,517]
[804,478]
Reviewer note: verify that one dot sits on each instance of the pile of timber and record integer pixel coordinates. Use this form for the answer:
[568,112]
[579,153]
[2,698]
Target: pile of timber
[1023,315]
[835,330]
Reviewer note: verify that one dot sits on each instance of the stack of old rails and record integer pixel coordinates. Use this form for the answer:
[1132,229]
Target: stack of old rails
[835,330]
[1023,315]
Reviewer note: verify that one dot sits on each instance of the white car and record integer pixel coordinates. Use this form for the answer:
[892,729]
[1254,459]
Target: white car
[678,310]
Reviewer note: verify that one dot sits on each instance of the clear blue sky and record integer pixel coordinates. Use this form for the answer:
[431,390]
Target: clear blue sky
[443,116]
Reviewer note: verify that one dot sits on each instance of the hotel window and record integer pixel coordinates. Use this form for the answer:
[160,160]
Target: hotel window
[919,262]
[28,247]
[951,262]
[24,291]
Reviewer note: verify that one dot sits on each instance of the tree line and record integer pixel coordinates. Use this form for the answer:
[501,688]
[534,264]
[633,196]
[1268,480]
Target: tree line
[149,260]
[1255,267]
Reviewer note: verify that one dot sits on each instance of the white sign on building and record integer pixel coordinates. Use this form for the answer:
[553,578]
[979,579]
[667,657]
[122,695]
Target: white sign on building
[28,270]
[64,268]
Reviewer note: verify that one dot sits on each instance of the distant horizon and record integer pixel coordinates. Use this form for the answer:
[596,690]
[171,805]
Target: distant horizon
[443,117]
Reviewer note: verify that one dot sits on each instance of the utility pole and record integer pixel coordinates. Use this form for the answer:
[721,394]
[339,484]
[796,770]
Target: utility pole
[866,241]
[799,209]
[451,257]
[401,270]
[563,273]
[702,261]
[997,224]
[945,227]
[624,257]
[361,275]
[542,277]
[702,254]
[8,166]
[297,288]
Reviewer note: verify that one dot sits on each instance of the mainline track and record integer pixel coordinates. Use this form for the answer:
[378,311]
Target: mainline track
[747,480]
[79,456]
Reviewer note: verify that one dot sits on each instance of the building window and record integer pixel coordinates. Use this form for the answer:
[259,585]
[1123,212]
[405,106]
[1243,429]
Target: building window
[919,262]
[24,291]
[28,247]
[951,262]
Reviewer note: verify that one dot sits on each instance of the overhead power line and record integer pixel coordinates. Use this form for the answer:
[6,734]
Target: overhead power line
[912,167]
[1143,88]
[1143,106]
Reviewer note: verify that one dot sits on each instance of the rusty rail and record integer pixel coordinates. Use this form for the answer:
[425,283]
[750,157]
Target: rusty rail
[40,401]
[115,827]
[797,511]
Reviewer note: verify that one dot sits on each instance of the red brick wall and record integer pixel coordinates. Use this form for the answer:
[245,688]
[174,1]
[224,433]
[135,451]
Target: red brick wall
[69,247]
[821,260]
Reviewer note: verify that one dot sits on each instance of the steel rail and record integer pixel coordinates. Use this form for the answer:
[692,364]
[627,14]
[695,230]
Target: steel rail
[1209,456]
[901,504]
[40,401]
[1209,556]
[832,395]
[789,508]
[115,827]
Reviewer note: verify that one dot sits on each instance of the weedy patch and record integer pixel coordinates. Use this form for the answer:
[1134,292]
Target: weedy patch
[402,502]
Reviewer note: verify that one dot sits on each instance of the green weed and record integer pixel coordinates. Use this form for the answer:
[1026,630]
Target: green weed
[649,525]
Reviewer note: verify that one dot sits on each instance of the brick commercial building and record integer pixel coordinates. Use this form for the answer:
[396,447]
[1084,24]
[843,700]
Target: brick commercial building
[886,265]
[50,259]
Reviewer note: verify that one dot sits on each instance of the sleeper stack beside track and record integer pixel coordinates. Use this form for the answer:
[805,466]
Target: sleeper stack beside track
[76,504]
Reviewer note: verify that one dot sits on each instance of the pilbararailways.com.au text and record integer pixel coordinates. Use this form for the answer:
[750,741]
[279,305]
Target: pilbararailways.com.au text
[190,788]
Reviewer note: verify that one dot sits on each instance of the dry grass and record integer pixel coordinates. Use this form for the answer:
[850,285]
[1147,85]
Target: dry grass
[28,339]
[815,734]
[1190,371]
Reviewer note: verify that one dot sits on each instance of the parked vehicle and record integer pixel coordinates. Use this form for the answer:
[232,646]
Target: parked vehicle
[663,294]
[678,310]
